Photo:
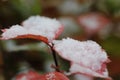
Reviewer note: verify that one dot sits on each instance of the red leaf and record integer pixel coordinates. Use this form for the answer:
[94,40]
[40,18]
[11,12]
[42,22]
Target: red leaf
[36,37]
[55,76]
[59,32]
[87,57]
[32,75]
[20,76]
[81,69]
[35,27]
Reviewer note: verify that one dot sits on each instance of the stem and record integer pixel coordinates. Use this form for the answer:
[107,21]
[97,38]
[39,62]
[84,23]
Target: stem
[55,58]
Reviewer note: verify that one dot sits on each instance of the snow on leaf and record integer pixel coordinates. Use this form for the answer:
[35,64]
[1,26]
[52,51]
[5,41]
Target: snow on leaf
[55,76]
[13,32]
[93,22]
[87,54]
[3,30]
[78,69]
[35,27]
[44,26]
[21,77]
[50,76]
[33,75]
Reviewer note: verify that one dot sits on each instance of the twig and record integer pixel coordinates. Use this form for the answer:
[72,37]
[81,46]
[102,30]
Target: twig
[55,58]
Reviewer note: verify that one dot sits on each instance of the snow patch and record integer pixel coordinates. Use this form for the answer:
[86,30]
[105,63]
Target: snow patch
[87,54]
[35,25]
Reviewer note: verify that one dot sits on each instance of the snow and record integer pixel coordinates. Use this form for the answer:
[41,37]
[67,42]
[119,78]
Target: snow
[35,25]
[42,26]
[14,31]
[24,78]
[55,76]
[50,76]
[87,54]
[76,68]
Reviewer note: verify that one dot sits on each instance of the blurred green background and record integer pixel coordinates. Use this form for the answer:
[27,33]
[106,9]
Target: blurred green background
[36,54]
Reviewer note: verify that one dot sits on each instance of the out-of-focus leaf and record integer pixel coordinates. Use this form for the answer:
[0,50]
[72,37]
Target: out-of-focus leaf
[92,23]
[71,28]
[28,75]
[112,45]
[74,7]
[26,7]
[111,7]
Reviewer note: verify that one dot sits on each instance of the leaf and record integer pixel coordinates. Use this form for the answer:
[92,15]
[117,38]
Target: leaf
[26,7]
[55,76]
[87,56]
[78,69]
[35,27]
[31,75]
[112,45]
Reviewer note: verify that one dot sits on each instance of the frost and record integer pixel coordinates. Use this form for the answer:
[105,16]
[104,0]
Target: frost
[87,54]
